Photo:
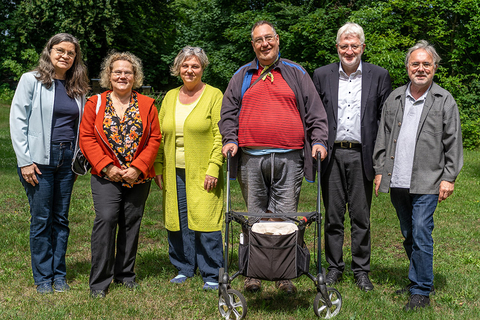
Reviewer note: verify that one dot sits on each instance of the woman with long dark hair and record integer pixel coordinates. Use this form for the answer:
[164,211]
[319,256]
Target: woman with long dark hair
[44,120]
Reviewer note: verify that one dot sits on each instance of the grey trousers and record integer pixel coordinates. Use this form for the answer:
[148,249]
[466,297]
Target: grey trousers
[120,206]
[271,182]
[344,183]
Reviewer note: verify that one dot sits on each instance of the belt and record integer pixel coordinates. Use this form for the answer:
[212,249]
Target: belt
[64,144]
[348,145]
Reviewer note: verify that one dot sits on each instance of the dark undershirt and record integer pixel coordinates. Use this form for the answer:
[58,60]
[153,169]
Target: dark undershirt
[65,115]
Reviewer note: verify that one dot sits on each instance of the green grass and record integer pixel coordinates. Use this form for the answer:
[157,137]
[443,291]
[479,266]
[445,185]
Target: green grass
[456,261]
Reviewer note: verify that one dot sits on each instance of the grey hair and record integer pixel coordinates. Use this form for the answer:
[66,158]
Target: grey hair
[261,23]
[351,29]
[184,54]
[423,44]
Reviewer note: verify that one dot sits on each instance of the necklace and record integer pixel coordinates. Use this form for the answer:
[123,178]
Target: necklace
[120,104]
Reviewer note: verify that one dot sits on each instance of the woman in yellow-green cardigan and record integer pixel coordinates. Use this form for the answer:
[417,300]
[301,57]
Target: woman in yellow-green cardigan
[189,170]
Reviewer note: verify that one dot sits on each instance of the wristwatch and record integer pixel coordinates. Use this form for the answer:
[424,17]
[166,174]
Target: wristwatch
[104,170]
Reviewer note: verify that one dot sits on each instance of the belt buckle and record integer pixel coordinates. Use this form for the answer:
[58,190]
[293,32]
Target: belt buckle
[345,145]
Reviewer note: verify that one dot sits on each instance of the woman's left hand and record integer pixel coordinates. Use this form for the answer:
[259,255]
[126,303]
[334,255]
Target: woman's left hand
[131,175]
[210,183]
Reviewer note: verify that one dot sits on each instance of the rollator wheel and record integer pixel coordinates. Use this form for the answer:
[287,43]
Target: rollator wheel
[320,306]
[238,303]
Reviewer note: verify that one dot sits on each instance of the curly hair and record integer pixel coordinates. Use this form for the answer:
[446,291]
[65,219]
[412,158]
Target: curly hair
[107,66]
[186,53]
[76,78]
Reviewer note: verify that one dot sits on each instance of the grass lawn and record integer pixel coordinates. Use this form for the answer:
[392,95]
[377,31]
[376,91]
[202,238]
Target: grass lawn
[456,261]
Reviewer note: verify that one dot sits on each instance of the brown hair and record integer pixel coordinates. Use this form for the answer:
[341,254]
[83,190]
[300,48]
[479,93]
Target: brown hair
[76,79]
[261,23]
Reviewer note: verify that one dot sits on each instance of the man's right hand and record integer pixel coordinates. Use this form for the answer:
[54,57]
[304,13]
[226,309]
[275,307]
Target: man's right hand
[377,181]
[229,147]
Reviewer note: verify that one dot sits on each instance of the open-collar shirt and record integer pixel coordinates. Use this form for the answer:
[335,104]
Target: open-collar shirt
[406,142]
[349,105]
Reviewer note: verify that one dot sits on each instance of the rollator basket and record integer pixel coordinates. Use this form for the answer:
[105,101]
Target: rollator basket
[268,256]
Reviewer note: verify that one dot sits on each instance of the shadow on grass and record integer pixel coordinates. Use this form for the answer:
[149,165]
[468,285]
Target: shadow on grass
[271,300]
[397,277]
[147,264]
[154,263]
[78,269]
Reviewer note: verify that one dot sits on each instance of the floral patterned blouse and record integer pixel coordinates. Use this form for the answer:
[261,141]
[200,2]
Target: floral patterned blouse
[124,134]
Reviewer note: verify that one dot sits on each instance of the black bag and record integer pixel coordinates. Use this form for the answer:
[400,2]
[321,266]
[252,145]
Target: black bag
[273,257]
[80,165]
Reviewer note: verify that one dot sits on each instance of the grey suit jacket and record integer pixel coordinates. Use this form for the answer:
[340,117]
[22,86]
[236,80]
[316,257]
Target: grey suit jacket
[376,86]
[438,150]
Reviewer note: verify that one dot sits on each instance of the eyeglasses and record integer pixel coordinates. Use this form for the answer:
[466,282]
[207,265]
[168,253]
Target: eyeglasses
[118,74]
[61,52]
[354,47]
[416,65]
[270,38]
[196,50]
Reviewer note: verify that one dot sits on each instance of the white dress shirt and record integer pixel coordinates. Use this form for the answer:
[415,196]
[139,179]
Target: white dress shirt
[349,106]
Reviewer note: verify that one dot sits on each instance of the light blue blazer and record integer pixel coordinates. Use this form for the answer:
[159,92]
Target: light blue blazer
[31,115]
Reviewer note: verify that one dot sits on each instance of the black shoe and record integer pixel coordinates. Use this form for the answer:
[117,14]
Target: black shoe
[130,285]
[363,282]
[333,277]
[407,289]
[252,284]
[98,294]
[417,301]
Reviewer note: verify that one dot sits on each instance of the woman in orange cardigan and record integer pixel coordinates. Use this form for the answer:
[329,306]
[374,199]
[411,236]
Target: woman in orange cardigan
[120,136]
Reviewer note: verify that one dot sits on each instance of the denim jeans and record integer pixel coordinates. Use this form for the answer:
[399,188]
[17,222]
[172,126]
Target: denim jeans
[415,212]
[49,203]
[190,249]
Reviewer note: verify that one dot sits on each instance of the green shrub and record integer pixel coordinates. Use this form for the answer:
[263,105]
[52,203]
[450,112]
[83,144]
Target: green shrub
[468,103]
[6,94]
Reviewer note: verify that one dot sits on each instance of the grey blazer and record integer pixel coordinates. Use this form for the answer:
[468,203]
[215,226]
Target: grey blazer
[376,86]
[438,150]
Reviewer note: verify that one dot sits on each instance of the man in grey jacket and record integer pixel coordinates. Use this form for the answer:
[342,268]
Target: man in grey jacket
[418,155]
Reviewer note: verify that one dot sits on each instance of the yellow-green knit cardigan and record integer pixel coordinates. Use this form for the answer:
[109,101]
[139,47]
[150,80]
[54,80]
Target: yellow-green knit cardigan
[203,155]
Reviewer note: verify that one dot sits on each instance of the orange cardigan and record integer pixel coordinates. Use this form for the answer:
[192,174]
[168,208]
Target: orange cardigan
[94,143]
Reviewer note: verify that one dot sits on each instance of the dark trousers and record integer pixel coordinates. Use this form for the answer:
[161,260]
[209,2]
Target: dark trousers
[189,249]
[122,206]
[344,183]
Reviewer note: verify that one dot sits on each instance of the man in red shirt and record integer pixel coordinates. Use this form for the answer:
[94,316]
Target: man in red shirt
[273,116]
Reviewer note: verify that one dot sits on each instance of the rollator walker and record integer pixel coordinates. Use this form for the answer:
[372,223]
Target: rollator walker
[266,255]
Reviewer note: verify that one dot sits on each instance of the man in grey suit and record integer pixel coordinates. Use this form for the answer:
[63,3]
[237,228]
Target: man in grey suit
[418,155]
[352,93]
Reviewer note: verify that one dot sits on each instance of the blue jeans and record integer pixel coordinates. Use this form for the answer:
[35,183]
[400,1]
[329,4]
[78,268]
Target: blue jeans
[415,212]
[49,203]
[189,249]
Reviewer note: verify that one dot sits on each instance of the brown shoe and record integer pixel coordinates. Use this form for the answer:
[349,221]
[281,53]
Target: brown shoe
[252,284]
[286,286]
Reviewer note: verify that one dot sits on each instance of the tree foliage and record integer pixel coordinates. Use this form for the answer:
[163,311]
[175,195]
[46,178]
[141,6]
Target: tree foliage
[157,30]
[144,28]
